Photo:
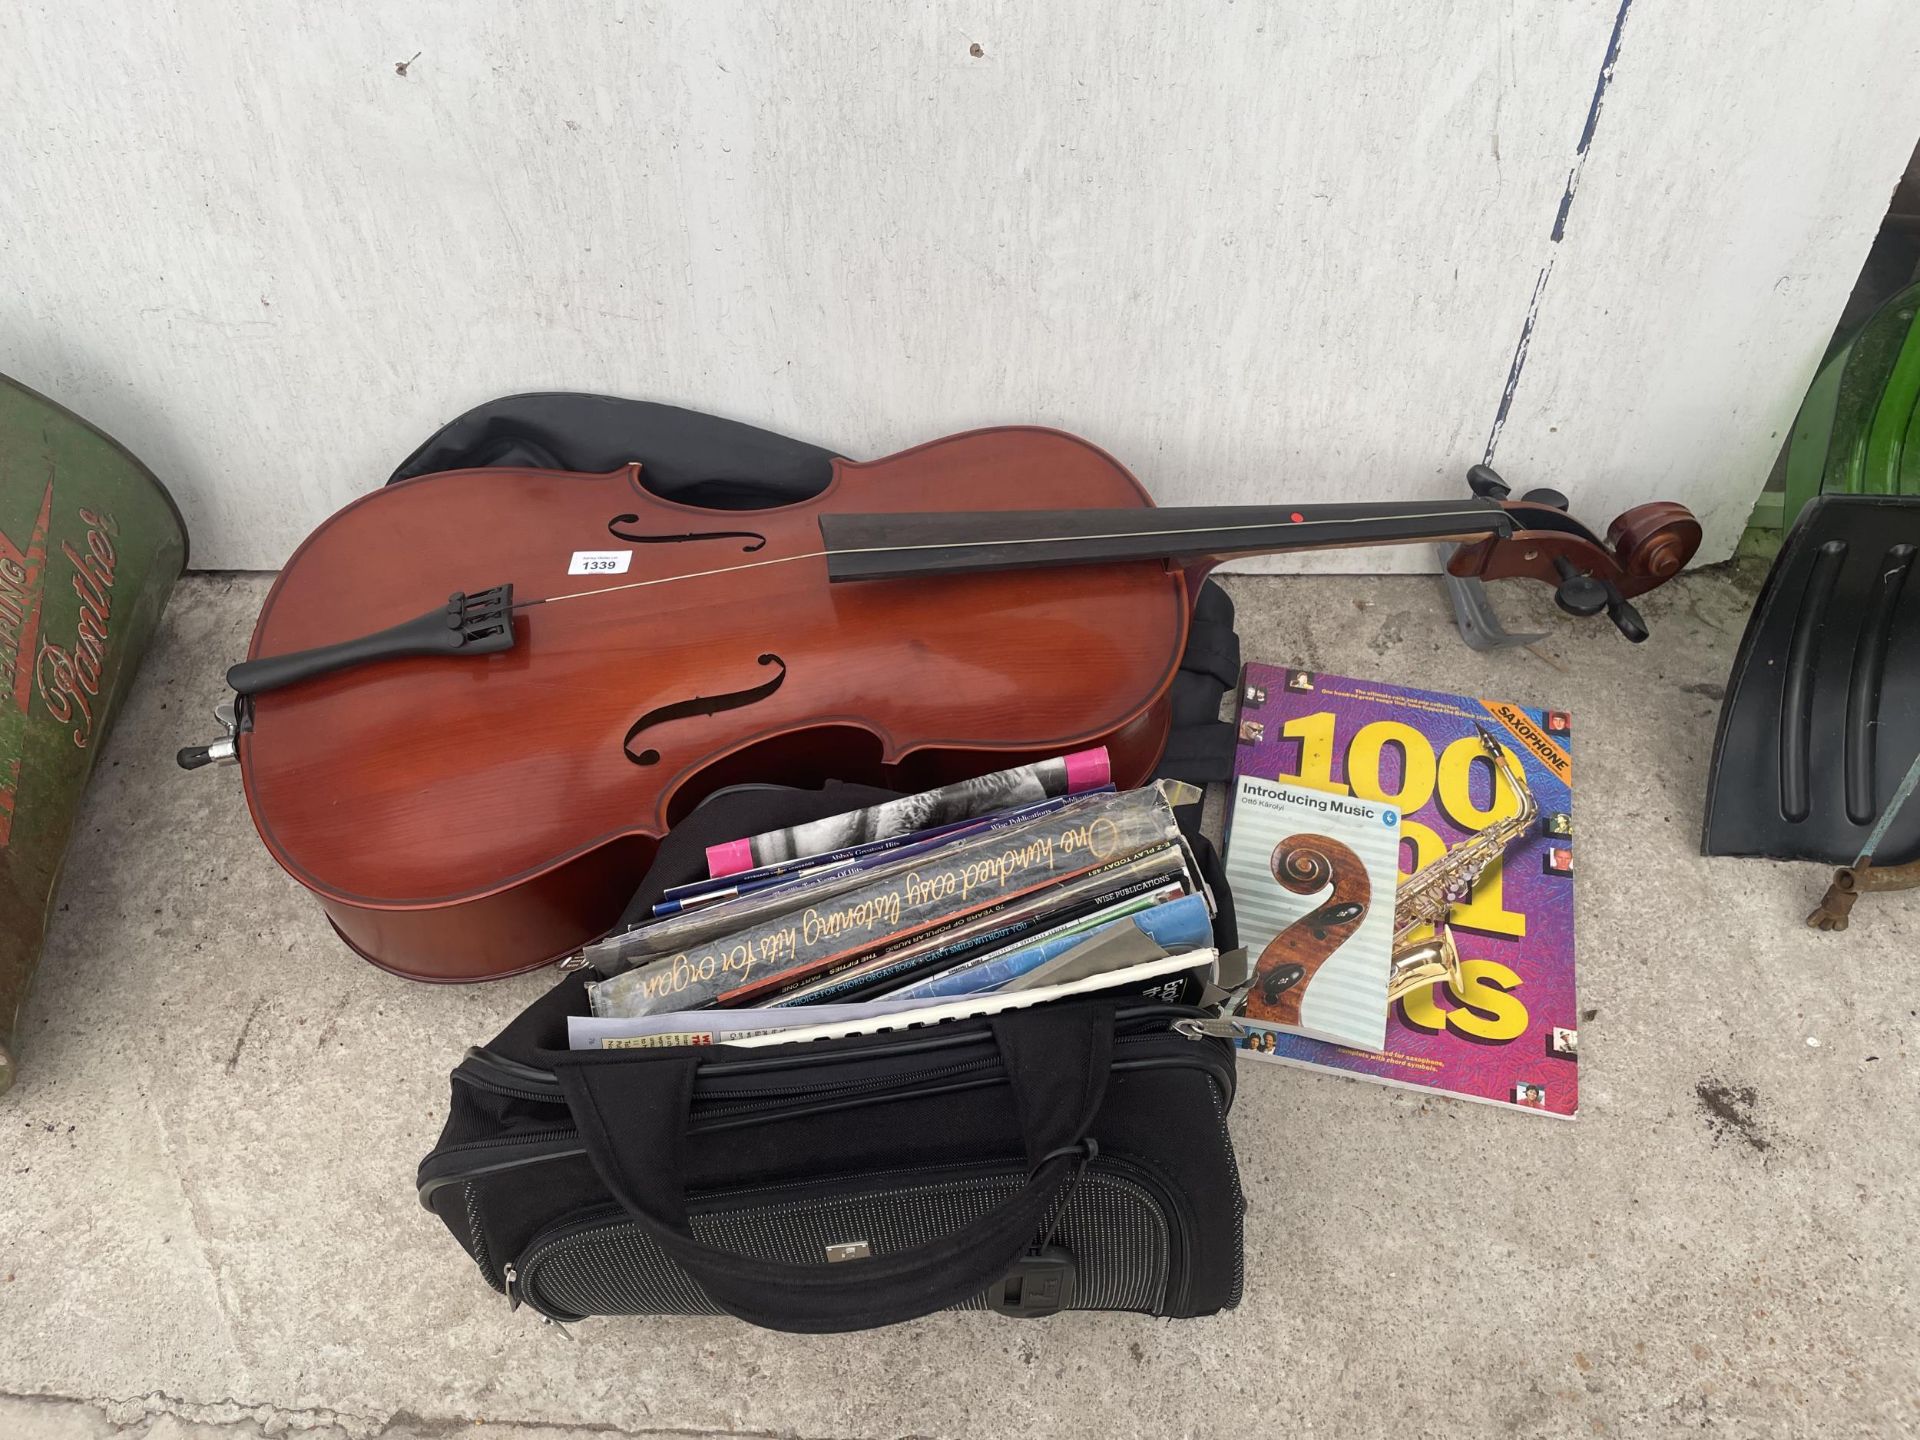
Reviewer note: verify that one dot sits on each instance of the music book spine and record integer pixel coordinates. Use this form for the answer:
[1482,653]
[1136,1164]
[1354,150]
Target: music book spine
[959,881]
[964,800]
[850,861]
[1012,923]
[677,933]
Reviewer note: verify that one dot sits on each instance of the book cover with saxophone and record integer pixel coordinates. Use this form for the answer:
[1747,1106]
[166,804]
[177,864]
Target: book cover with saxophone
[1480,999]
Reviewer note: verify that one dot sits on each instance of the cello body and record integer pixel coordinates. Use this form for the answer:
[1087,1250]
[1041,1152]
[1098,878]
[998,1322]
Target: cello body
[472,818]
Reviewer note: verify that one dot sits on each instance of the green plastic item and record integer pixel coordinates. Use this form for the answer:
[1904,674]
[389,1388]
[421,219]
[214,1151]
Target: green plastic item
[1858,430]
[90,547]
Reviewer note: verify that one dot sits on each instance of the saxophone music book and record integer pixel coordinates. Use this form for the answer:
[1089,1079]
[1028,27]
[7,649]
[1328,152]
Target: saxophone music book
[1480,999]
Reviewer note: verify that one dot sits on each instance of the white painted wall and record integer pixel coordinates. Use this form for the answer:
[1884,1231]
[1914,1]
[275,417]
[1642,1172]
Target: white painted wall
[1259,251]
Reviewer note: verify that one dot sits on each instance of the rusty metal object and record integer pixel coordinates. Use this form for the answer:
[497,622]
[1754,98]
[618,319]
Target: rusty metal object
[1850,883]
[90,547]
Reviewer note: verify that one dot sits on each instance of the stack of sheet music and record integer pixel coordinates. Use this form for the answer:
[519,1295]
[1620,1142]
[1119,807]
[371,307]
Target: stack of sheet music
[1034,883]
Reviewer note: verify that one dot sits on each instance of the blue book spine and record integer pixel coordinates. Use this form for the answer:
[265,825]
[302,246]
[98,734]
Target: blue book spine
[1174,926]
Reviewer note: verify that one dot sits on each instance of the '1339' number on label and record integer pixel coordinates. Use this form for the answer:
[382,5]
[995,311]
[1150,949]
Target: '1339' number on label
[600,562]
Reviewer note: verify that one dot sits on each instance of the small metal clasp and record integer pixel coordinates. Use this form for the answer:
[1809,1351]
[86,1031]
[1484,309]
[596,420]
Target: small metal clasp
[1212,1026]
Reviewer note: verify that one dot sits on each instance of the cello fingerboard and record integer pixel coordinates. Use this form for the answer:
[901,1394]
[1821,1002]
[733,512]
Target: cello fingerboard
[891,546]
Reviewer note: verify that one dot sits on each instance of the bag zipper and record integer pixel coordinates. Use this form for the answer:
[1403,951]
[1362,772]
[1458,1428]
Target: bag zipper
[507,1077]
[538,1132]
[1206,1027]
[554,1142]
[486,1071]
[482,1252]
[717,1111]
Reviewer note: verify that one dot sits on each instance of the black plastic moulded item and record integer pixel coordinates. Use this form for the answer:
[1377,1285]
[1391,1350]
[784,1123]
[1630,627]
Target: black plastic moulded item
[1821,720]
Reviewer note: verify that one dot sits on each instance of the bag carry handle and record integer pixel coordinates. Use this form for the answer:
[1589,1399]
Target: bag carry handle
[633,1115]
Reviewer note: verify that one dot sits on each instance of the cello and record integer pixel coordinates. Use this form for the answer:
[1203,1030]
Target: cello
[469,792]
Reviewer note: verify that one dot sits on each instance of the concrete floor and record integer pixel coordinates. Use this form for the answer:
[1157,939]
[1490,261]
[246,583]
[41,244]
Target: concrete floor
[207,1225]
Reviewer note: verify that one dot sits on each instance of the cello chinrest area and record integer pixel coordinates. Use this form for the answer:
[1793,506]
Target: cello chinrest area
[475,790]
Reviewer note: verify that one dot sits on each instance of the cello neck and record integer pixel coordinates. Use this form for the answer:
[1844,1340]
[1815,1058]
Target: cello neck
[892,546]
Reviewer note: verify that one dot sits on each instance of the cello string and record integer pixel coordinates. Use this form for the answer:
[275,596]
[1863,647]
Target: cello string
[1477,514]
[669,579]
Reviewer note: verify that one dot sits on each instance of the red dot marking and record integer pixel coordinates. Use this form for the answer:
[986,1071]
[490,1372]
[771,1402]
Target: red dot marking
[1296,517]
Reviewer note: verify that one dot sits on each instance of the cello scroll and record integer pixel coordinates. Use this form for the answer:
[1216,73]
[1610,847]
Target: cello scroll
[1306,864]
[1645,547]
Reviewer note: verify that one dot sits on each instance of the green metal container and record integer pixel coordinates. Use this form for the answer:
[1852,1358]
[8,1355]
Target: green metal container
[1858,431]
[90,547]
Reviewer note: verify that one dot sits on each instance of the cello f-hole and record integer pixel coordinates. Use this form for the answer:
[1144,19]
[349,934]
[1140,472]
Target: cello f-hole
[701,705]
[758,540]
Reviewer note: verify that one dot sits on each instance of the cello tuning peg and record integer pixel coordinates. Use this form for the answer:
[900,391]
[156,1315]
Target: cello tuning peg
[1552,499]
[1579,594]
[1626,619]
[1485,482]
[1582,595]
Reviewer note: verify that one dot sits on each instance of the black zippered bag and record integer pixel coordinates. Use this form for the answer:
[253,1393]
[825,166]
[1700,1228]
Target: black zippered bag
[1069,1156]
[1072,1156]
